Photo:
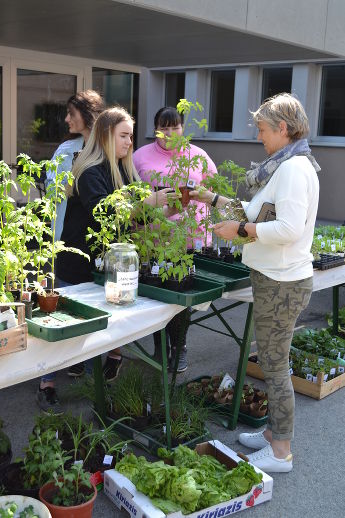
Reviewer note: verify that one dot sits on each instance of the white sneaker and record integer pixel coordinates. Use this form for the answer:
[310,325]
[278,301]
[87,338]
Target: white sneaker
[265,460]
[253,440]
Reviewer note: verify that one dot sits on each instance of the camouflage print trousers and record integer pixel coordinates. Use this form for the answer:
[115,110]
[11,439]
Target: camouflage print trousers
[276,308]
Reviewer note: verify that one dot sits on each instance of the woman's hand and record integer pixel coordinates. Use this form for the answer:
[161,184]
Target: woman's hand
[226,229]
[162,197]
[202,194]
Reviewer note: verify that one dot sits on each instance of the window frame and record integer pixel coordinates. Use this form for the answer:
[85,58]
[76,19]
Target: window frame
[218,135]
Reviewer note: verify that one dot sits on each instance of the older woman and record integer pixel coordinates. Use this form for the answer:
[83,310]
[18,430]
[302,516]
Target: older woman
[280,262]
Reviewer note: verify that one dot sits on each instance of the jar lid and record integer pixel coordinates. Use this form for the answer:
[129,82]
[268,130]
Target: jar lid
[122,246]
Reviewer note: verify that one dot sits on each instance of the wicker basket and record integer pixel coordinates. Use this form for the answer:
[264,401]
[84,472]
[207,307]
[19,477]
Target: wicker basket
[16,338]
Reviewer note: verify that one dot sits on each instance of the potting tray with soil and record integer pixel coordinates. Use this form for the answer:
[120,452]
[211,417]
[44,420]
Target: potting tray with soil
[152,437]
[328,261]
[71,319]
[206,389]
[201,290]
[232,276]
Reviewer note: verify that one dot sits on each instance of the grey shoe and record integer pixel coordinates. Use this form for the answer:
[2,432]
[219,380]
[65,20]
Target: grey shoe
[182,362]
[47,401]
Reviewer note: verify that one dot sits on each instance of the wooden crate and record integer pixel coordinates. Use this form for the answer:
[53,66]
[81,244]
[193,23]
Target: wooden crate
[16,338]
[317,390]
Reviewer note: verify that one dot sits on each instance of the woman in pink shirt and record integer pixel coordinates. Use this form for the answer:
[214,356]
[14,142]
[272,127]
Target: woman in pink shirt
[156,157]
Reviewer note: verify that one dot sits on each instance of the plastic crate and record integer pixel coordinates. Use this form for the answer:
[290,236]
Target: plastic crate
[70,319]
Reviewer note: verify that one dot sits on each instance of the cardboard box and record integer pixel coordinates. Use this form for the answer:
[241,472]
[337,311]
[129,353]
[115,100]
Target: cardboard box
[125,495]
[317,390]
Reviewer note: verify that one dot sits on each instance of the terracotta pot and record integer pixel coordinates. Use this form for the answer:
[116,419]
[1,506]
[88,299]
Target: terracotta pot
[48,491]
[48,303]
[256,411]
[194,389]
[244,408]
[185,195]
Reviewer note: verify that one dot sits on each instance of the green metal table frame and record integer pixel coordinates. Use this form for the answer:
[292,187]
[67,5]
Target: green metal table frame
[243,342]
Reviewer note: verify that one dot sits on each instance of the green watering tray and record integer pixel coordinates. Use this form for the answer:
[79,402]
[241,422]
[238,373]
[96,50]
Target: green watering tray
[233,277]
[70,319]
[203,290]
[151,438]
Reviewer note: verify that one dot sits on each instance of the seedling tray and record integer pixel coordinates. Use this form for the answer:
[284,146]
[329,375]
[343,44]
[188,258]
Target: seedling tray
[328,261]
[223,411]
[317,390]
[203,290]
[71,319]
[150,438]
[233,277]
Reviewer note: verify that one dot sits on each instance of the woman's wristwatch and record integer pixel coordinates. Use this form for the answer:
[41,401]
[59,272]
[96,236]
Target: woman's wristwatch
[214,200]
[241,230]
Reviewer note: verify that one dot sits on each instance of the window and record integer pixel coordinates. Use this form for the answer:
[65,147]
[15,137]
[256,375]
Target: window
[276,81]
[174,88]
[118,88]
[222,100]
[332,102]
[41,112]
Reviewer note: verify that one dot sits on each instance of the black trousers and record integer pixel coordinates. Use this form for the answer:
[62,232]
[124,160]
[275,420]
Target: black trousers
[176,331]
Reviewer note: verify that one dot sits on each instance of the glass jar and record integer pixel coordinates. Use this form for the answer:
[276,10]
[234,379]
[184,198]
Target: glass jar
[121,264]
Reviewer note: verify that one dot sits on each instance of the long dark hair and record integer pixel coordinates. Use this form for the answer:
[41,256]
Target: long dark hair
[90,104]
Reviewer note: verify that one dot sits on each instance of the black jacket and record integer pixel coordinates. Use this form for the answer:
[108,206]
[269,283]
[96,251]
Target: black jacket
[94,184]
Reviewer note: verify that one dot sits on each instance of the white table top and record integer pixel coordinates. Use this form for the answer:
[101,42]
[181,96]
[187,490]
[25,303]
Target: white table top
[321,280]
[125,325]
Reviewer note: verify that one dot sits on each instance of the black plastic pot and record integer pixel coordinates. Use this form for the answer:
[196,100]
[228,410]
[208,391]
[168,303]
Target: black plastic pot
[12,480]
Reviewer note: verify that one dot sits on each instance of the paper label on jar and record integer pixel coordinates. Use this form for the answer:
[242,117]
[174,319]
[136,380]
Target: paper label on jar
[127,280]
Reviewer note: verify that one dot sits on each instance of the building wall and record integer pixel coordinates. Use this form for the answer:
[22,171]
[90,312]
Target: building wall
[314,24]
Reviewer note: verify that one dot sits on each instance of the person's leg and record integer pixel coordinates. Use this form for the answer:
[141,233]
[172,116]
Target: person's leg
[177,330]
[276,308]
[46,397]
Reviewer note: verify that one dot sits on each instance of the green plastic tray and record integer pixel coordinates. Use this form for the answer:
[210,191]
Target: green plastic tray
[149,438]
[233,277]
[224,410]
[203,290]
[72,319]
[98,277]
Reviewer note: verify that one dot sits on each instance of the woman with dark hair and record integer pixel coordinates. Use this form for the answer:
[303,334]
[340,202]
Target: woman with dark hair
[83,109]
[157,157]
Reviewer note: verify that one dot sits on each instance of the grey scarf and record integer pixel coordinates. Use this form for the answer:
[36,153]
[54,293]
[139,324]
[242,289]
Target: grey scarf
[260,173]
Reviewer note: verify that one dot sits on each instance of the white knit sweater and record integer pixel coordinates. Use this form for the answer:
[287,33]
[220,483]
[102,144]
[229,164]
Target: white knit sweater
[282,249]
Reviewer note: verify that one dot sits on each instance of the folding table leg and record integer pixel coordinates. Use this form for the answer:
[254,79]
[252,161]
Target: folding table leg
[99,388]
[166,387]
[335,309]
[241,369]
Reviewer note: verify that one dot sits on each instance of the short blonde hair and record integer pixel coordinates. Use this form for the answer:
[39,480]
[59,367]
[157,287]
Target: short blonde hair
[101,146]
[284,107]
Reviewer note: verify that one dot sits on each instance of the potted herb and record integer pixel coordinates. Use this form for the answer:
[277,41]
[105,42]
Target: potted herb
[27,474]
[70,493]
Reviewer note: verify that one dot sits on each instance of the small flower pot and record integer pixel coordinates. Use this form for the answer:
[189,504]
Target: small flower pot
[195,389]
[185,195]
[245,408]
[48,302]
[257,410]
[47,493]
[12,480]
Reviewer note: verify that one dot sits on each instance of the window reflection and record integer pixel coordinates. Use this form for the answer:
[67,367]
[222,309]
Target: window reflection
[41,111]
